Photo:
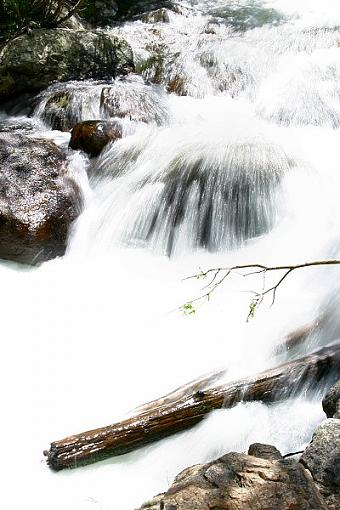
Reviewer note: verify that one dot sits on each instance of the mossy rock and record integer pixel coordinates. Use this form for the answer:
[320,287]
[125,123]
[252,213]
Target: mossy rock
[33,61]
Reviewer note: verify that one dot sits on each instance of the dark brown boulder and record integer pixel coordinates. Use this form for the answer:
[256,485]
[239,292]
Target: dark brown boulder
[241,482]
[91,136]
[38,199]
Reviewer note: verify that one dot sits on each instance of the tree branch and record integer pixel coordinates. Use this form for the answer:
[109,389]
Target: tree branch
[220,274]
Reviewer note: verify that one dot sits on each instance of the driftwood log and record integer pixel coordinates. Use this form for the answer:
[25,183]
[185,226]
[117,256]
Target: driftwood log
[166,417]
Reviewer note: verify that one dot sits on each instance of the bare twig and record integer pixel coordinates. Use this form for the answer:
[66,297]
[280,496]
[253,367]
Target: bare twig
[220,274]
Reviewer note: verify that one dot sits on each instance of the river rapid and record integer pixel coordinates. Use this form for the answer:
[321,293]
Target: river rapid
[240,166]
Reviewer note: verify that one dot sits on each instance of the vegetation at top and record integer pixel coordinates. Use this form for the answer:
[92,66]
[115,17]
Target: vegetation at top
[18,15]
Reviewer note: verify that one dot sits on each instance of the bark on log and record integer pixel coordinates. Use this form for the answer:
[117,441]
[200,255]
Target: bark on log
[168,418]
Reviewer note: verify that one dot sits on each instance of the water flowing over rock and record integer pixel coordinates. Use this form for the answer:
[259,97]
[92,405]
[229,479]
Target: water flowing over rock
[322,459]
[131,98]
[63,105]
[202,197]
[91,136]
[39,200]
[33,61]
[241,482]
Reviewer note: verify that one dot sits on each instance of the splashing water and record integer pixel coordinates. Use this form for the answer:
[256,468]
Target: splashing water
[238,163]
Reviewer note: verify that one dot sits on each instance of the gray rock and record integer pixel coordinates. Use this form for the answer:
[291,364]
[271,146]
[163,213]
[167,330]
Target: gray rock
[32,61]
[331,401]
[322,459]
[158,16]
[242,482]
[38,199]
[264,451]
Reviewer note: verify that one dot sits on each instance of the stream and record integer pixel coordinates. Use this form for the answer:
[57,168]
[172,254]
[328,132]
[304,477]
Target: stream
[230,156]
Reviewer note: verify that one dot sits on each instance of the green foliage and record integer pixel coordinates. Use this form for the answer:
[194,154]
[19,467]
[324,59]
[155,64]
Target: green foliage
[16,15]
[188,309]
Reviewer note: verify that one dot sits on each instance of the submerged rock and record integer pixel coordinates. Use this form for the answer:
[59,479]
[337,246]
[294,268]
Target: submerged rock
[39,200]
[322,459]
[32,61]
[57,112]
[241,482]
[91,136]
[133,99]
[331,401]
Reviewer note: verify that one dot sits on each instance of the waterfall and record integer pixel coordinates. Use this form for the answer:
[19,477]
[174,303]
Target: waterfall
[229,155]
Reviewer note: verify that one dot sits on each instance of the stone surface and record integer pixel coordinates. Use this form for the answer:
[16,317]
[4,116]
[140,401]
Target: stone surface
[57,112]
[91,136]
[157,16]
[331,401]
[322,459]
[264,451]
[241,482]
[38,199]
[32,61]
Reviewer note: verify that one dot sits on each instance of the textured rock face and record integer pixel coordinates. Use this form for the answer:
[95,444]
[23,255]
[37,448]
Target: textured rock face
[242,482]
[91,136]
[331,401]
[322,459]
[32,61]
[38,199]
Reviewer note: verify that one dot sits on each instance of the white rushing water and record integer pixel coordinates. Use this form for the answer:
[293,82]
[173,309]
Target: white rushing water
[242,166]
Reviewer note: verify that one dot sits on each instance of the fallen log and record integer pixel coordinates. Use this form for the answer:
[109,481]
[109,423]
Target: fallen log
[199,384]
[166,419]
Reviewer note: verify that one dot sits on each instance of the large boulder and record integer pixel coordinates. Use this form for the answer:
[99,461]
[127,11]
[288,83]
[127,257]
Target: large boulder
[322,459]
[39,200]
[331,401]
[242,482]
[31,62]
[91,136]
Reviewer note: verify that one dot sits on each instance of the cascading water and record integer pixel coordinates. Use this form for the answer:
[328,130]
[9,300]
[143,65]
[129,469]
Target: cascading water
[237,163]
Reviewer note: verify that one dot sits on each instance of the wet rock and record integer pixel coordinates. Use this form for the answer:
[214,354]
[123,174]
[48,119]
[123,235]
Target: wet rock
[57,112]
[158,16]
[38,199]
[264,451]
[32,61]
[91,136]
[134,100]
[331,401]
[322,459]
[242,482]
[177,86]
